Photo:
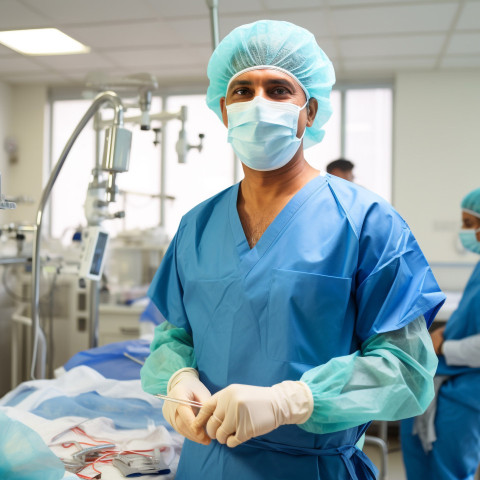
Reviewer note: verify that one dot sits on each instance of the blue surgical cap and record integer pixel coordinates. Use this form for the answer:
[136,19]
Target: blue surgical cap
[471,202]
[278,45]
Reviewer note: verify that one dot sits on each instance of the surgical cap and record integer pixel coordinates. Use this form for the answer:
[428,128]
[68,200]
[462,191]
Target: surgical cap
[471,202]
[278,45]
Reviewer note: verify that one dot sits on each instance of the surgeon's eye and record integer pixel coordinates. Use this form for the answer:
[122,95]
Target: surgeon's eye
[280,91]
[240,91]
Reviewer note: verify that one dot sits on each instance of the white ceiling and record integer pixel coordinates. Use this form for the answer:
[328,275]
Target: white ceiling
[370,39]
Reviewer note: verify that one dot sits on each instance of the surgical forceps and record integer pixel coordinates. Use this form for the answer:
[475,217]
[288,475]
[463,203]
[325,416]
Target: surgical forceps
[190,403]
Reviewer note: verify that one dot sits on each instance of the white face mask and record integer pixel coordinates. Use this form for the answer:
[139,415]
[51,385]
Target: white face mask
[263,133]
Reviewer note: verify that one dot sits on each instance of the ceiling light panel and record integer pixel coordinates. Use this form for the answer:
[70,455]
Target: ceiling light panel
[41,41]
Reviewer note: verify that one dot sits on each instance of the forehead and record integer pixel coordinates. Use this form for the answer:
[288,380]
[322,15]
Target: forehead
[263,76]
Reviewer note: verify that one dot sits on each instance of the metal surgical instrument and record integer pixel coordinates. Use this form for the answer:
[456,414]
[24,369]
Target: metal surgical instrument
[136,360]
[190,403]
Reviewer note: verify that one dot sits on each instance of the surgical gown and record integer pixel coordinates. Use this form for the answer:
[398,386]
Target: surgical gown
[336,269]
[455,455]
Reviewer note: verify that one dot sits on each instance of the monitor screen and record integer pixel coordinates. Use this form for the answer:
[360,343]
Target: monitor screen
[99,253]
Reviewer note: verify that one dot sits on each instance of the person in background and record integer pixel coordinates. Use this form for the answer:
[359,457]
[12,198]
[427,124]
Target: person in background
[296,304]
[341,168]
[444,442]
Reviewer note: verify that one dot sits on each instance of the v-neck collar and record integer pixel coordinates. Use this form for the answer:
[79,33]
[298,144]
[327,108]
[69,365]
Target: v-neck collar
[251,255]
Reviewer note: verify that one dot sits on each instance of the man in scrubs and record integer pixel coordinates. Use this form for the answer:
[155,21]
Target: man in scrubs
[444,442]
[297,304]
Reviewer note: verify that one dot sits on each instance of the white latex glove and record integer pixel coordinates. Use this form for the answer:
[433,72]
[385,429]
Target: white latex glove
[185,385]
[239,412]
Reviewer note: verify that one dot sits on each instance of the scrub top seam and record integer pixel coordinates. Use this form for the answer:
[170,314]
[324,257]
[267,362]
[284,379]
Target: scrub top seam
[355,229]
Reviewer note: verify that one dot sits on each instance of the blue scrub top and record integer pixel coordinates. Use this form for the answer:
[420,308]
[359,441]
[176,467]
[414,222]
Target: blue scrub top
[464,386]
[456,451]
[336,266]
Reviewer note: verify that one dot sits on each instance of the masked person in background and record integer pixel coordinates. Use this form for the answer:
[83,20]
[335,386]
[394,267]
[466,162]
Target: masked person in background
[444,442]
[297,304]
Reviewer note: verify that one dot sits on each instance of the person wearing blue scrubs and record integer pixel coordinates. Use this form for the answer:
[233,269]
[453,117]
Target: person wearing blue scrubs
[296,303]
[444,443]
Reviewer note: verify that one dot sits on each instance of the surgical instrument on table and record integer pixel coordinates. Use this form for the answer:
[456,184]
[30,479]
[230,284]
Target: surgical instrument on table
[136,360]
[91,453]
[56,437]
[134,464]
[190,403]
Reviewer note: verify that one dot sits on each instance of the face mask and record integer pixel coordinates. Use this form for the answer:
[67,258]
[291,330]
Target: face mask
[263,133]
[469,239]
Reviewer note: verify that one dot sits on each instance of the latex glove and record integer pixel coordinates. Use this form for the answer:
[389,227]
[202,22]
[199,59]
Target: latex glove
[239,412]
[185,385]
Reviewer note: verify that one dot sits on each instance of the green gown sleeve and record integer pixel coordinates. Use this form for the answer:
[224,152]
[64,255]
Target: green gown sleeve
[390,378]
[170,350]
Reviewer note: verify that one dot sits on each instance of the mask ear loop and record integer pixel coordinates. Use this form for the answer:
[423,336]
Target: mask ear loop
[305,129]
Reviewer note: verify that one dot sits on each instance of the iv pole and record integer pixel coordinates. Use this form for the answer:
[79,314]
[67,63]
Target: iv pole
[38,335]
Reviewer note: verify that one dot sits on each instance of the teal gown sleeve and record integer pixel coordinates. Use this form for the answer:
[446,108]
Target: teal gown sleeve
[170,350]
[390,378]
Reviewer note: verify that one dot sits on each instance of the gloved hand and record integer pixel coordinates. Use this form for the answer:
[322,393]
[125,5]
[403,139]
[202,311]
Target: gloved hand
[239,412]
[185,385]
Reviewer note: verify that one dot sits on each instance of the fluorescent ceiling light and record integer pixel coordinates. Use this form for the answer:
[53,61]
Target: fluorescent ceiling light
[41,41]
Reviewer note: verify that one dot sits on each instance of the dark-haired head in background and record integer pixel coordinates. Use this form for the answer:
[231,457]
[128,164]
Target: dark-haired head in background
[341,168]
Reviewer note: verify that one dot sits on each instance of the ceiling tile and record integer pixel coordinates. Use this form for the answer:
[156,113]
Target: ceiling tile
[92,11]
[180,8]
[393,19]
[81,77]
[18,64]
[394,45]
[467,61]
[129,35]
[470,17]
[356,3]
[328,46]
[288,4]
[191,31]
[35,78]
[377,64]
[239,7]
[160,57]
[196,8]
[464,44]
[228,22]
[5,51]
[88,61]
[14,15]
[315,20]
[179,70]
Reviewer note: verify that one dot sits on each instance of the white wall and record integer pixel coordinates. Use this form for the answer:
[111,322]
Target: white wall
[436,156]
[25,121]
[5,125]
[6,303]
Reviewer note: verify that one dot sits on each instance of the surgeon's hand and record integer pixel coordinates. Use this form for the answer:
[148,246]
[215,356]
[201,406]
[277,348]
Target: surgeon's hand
[239,412]
[185,385]
[437,340]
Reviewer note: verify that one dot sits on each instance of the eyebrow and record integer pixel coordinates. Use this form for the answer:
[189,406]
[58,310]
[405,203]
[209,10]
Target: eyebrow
[272,81]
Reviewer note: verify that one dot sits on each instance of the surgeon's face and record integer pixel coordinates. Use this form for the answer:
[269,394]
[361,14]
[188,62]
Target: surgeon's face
[274,86]
[471,222]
